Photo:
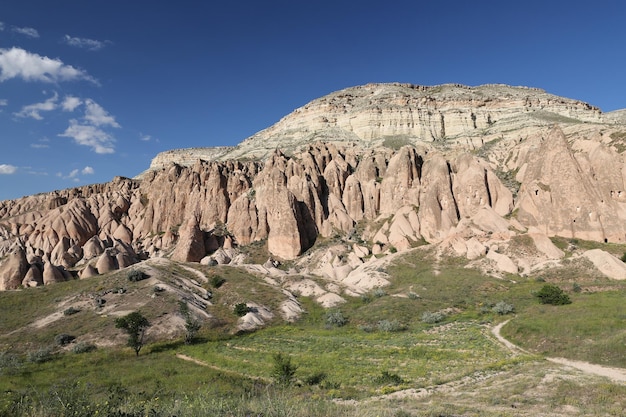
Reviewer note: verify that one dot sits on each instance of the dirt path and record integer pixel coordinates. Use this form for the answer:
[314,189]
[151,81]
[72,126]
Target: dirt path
[217,368]
[614,374]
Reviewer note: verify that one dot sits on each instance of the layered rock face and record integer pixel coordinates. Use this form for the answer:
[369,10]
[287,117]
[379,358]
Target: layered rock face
[374,114]
[566,180]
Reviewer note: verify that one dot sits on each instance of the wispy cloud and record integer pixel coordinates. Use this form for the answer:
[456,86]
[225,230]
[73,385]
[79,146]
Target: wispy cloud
[70,103]
[1,26]
[97,116]
[34,110]
[85,43]
[30,32]
[145,138]
[87,135]
[19,63]
[43,143]
[3,101]
[73,174]
[6,169]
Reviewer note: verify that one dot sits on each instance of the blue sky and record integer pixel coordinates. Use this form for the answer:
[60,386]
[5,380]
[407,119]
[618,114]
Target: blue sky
[92,89]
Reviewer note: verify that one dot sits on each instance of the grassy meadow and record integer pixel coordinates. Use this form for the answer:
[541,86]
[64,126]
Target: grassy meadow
[383,358]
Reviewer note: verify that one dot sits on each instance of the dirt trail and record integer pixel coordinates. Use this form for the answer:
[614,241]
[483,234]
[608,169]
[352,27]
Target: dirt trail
[217,368]
[614,374]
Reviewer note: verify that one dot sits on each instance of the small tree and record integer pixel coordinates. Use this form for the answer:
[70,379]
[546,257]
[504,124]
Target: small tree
[551,294]
[192,326]
[283,371]
[135,325]
[241,309]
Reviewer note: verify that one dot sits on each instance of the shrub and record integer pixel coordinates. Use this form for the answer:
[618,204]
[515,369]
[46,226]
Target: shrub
[389,379]
[283,371]
[379,292]
[623,258]
[432,318]
[241,309]
[336,318]
[10,363]
[390,326]
[367,328]
[413,296]
[576,288]
[40,356]
[315,379]
[192,326]
[551,294]
[137,275]
[217,281]
[70,311]
[83,347]
[64,339]
[366,298]
[503,308]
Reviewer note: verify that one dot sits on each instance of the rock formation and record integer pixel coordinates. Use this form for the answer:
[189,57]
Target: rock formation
[401,164]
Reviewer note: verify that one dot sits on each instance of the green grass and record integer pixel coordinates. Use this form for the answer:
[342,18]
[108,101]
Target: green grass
[356,364]
[592,328]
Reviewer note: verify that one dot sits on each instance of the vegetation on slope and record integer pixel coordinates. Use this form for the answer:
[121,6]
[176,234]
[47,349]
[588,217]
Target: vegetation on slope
[382,346]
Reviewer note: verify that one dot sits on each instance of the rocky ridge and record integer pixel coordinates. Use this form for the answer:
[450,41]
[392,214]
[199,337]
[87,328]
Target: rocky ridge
[373,169]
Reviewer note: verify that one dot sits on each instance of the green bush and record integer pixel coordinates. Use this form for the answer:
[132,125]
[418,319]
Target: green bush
[503,308]
[379,292]
[137,275]
[386,378]
[83,347]
[217,281]
[551,294]
[283,371]
[315,379]
[70,311]
[10,363]
[40,356]
[432,318]
[241,309]
[64,339]
[335,318]
[390,326]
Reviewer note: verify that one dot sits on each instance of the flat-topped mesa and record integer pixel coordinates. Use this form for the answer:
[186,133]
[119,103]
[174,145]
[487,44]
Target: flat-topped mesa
[461,117]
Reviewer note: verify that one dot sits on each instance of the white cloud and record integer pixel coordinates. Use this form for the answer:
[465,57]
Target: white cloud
[3,101]
[88,171]
[85,43]
[1,26]
[145,138]
[72,174]
[19,63]
[7,169]
[41,144]
[70,103]
[33,110]
[86,135]
[30,32]
[97,116]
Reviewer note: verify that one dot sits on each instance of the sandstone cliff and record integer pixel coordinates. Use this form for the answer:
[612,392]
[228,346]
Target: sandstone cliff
[398,165]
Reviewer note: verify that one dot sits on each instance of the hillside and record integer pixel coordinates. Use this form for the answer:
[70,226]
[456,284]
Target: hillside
[381,207]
